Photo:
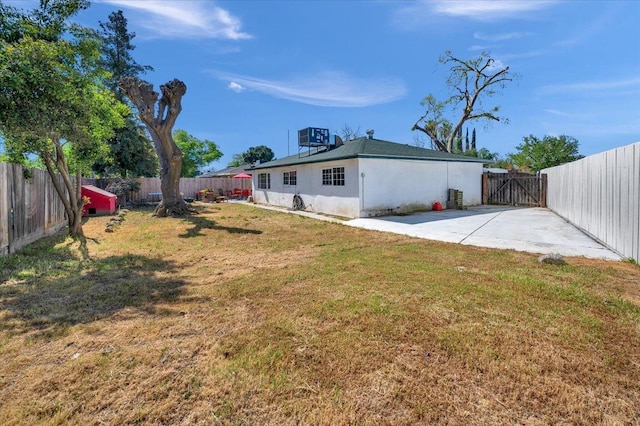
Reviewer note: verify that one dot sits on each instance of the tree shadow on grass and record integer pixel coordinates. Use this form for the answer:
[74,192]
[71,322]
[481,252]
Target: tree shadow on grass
[200,223]
[55,290]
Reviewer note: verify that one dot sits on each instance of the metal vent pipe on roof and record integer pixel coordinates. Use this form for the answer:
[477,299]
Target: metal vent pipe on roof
[370,133]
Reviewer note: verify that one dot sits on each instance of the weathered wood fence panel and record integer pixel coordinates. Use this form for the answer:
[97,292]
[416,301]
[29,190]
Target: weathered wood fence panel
[29,207]
[514,189]
[4,208]
[601,195]
[189,187]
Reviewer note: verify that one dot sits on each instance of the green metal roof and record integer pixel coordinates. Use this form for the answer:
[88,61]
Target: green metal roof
[367,148]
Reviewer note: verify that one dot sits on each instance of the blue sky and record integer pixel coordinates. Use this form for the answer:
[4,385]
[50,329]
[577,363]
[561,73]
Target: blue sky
[258,71]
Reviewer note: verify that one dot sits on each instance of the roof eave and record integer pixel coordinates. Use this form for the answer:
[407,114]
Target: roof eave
[351,156]
[409,157]
[299,163]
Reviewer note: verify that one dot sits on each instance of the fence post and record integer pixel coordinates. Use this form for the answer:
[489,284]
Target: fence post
[485,188]
[12,211]
[543,190]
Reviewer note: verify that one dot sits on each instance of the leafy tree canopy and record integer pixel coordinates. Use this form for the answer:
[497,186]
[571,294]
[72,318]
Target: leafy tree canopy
[131,153]
[116,52]
[537,154]
[52,102]
[255,153]
[482,153]
[238,160]
[258,153]
[130,150]
[195,152]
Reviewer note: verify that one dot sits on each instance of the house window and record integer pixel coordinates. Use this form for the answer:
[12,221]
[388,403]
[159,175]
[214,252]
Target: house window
[290,178]
[338,176]
[334,176]
[264,181]
[326,177]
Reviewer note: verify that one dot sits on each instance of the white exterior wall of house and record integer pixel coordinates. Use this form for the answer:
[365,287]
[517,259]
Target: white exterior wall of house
[398,186]
[328,199]
[373,186]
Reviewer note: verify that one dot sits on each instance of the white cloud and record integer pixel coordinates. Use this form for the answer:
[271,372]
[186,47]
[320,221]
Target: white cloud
[235,87]
[483,48]
[330,88]
[183,19]
[487,10]
[425,11]
[496,65]
[588,31]
[499,37]
[632,84]
[565,114]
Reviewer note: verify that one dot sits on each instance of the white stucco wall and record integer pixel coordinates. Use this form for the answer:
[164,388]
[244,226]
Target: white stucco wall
[408,185]
[328,199]
[373,187]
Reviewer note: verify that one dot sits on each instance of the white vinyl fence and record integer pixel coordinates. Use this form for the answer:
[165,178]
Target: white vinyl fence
[601,195]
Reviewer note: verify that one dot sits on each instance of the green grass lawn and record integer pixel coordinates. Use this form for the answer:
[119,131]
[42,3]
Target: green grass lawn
[247,316]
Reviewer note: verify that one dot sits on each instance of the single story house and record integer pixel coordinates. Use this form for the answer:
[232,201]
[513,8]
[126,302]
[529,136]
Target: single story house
[367,177]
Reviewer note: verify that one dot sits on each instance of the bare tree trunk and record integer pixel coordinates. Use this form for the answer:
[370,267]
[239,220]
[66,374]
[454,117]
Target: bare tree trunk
[69,193]
[160,124]
[172,203]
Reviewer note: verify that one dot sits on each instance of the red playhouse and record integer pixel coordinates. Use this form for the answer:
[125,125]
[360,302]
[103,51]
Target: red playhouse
[100,202]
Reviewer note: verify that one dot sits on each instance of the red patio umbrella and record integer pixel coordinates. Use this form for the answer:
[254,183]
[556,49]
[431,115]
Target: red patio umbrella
[245,191]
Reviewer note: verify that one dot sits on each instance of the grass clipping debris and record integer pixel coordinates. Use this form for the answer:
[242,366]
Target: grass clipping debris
[246,316]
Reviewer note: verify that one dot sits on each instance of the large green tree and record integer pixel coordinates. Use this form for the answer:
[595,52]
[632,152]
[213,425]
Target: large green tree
[116,51]
[236,161]
[470,81]
[131,150]
[537,154]
[195,152]
[52,101]
[131,153]
[260,153]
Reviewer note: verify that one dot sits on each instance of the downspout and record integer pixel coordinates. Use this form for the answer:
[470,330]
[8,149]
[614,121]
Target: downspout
[362,196]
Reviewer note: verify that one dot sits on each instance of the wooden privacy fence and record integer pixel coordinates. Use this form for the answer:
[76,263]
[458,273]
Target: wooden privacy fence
[29,207]
[514,189]
[189,187]
[601,195]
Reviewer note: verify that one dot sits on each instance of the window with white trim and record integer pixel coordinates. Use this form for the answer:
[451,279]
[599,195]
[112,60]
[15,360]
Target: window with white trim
[290,178]
[334,176]
[264,181]
[326,177]
[338,176]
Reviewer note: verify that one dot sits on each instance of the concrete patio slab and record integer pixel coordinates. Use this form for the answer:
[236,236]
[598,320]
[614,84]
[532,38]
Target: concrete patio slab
[534,230]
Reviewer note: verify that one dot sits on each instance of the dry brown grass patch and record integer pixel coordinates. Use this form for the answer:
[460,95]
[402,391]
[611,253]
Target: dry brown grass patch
[246,316]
